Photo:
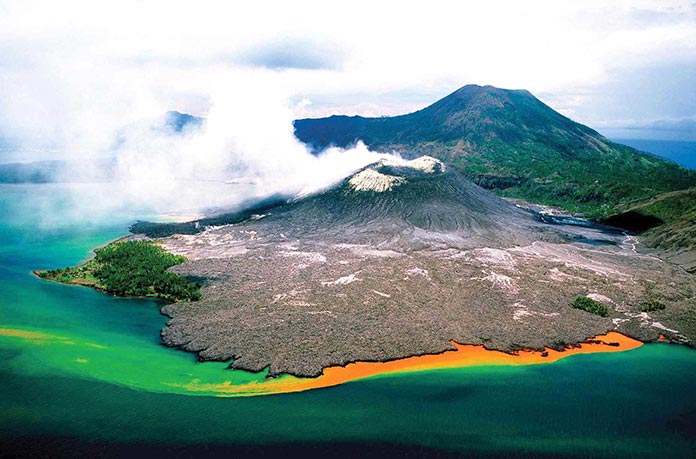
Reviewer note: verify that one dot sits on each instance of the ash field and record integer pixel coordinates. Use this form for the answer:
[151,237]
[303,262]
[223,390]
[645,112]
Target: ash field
[401,259]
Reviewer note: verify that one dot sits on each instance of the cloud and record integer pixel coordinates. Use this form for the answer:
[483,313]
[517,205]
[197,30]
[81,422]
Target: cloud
[633,97]
[303,53]
[664,129]
[244,149]
[77,71]
[75,74]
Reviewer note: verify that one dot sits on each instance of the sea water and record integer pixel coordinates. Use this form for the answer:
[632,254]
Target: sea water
[681,152]
[83,373]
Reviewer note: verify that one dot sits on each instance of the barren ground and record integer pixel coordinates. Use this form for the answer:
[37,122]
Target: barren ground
[283,294]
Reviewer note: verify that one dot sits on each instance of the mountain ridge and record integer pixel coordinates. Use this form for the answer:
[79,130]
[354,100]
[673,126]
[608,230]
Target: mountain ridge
[455,115]
[511,142]
[414,200]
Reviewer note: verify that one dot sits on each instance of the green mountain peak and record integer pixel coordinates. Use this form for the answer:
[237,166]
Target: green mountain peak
[511,142]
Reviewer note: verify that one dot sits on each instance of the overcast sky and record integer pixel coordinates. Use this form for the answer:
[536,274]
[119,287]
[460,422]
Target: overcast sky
[68,67]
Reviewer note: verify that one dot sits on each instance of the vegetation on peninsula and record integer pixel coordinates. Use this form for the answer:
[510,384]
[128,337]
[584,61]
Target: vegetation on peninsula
[130,268]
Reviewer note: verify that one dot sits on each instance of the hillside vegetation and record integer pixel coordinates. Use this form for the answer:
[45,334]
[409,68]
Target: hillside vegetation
[667,222]
[512,143]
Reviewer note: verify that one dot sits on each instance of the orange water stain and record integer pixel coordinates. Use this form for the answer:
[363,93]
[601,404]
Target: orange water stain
[35,337]
[24,334]
[463,356]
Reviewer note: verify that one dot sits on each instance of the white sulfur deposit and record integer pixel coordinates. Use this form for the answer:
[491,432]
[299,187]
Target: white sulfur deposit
[426,164]
[371,180]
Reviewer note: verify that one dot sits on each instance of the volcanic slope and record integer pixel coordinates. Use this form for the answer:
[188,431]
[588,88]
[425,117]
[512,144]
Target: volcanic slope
[511,142]
[401,259]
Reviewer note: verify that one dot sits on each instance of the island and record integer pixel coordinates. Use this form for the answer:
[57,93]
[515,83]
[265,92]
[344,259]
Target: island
[401,259]
[410,257]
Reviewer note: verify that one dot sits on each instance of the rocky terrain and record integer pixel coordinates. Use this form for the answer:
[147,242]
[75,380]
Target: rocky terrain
[402,258]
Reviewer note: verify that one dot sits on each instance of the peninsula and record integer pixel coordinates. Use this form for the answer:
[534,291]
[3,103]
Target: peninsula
[412,257]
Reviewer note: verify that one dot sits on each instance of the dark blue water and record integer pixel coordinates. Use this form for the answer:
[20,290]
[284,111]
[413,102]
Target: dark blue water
[681,152]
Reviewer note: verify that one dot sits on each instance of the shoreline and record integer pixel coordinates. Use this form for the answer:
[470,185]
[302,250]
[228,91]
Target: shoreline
[85,278]
[465,355]
[84,261]
[35,272]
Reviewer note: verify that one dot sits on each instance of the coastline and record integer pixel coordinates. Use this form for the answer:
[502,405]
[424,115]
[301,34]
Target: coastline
[133,254]
[465,355]
[92,254]
[242,383]
[78,283]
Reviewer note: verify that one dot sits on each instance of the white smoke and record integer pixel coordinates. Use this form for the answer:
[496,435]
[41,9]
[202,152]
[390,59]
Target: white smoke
[244,150]
[246,147]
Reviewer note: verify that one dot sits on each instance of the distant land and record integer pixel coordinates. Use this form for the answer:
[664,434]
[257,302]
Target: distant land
[98,170]
[510,142]
[680,151]
[672,130]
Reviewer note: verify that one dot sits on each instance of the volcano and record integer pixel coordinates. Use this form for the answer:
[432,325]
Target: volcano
[404,258]
[511,142]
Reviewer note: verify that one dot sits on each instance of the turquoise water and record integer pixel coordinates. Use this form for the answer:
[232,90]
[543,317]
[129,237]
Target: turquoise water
[83,374]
